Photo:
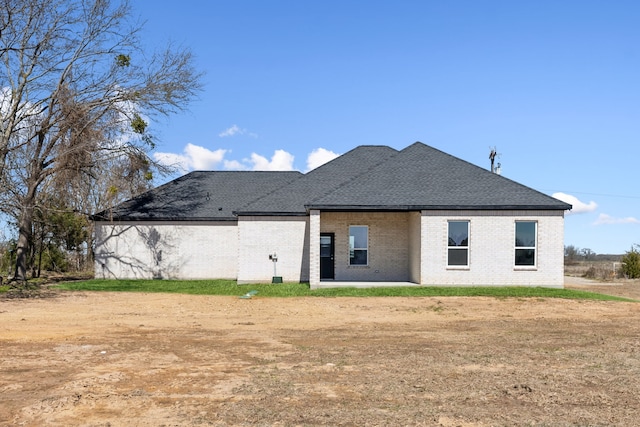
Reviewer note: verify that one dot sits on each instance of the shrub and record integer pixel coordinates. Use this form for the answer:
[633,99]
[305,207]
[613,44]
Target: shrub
[600,271]
[631,266]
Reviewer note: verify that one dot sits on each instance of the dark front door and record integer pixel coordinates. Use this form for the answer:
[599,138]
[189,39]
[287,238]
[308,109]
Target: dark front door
[327,248]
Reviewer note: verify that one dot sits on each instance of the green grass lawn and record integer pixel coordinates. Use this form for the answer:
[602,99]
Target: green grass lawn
[230,287]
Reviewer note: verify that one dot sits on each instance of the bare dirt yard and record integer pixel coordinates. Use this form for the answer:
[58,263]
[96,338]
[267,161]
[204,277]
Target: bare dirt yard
[124,359]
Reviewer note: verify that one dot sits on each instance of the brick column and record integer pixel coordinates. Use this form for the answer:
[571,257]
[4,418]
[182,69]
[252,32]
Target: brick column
[314,248]
[424,246]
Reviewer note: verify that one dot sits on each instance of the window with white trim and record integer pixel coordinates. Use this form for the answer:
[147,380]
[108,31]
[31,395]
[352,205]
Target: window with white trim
[526,239]
[358,245]
[458,244]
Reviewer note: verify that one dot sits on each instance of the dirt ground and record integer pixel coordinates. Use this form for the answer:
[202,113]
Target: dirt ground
[118,359]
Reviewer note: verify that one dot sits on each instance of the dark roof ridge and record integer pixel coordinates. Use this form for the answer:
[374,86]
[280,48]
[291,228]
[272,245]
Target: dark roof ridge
[332,189]
[478,167]
[299,190]
[420,175]
[353,149]
[372,167]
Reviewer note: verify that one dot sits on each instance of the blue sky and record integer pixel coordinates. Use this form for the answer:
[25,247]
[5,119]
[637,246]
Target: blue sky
[553,85]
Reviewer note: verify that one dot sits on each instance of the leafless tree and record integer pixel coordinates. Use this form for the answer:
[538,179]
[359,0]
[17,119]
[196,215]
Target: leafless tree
[76,94]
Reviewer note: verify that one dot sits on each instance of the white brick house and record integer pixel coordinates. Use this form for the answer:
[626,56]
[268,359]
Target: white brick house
[373,215]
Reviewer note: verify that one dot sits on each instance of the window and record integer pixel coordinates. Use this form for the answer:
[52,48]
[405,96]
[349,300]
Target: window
[526,243]
[358,244]
[458,246]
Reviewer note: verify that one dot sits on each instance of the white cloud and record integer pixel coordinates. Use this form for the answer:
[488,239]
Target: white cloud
[230,131]
[234,165]
[280,161]
[203,158]
[578,206]
[608,219]
[178,161]
[319,157]
[193,157]
[236,130]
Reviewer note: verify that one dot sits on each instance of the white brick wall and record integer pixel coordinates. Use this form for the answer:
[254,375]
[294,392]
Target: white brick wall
[492,249]
[413,247]
[259,237]
[188,250]
[403,246]
[314,248]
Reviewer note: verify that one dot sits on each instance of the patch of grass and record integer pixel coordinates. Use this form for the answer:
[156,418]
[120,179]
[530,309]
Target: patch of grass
[479,291]
[194,287]
[231,288]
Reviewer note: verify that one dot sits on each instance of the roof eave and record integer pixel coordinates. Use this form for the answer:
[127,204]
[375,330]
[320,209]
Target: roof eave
[269,213]
[160,219]
[391,208]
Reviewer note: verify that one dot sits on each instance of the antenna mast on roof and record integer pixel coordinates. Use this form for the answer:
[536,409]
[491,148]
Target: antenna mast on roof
[492,156]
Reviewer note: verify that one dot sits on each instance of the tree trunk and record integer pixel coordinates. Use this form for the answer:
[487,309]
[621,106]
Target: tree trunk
[25,234]
[40,247]
[22,249]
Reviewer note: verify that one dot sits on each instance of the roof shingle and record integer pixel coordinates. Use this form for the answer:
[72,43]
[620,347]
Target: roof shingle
[365,178]
[200,196]
[320,181]
[422,177]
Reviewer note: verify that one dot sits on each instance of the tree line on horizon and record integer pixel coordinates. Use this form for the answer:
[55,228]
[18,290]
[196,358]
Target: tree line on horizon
[629,261]
[574,254]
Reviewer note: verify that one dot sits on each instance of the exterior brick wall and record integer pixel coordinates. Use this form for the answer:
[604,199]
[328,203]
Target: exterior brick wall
[259,237]
[402,246]
[492,249]
[145,250]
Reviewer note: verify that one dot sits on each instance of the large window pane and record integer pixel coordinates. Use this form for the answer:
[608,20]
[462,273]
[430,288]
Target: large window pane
[358,244]
[359,234]
[458,233]
[525,252]
[526,234]
[458,256]
[525,257]
[458,243]
[359,257]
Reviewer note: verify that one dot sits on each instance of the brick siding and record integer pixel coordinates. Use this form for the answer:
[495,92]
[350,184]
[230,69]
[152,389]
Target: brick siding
[288,237]
[187,250]
[388,251]
[492,249]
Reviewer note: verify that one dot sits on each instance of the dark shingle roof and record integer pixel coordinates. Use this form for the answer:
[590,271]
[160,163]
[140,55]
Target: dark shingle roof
[365,178]
[200,196]
[422,177]
[320,181]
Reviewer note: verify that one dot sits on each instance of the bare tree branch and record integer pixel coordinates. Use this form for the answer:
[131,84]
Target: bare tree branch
[73,94]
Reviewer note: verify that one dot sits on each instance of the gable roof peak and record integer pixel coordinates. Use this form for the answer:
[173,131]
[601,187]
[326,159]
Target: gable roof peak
[422,177]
